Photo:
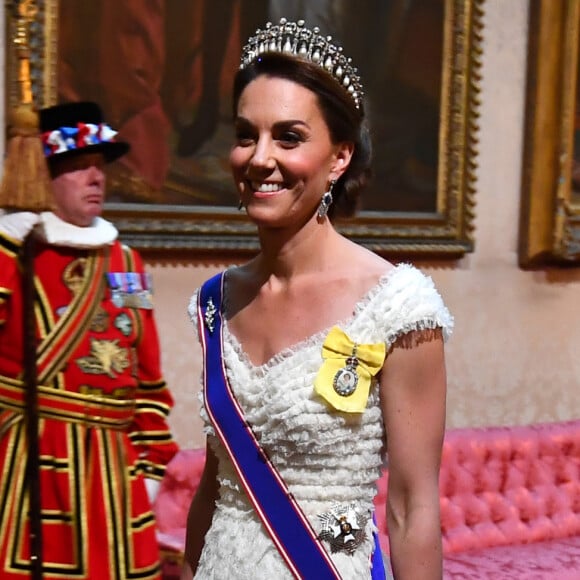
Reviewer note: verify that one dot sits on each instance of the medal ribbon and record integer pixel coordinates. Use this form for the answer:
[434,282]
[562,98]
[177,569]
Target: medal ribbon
[281,515]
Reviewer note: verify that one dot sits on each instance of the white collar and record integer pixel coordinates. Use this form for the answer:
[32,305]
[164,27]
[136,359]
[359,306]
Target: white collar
[57,232]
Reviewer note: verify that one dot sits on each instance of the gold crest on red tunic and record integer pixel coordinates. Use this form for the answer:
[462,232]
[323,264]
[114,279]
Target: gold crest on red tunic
[74,274]
[106,358]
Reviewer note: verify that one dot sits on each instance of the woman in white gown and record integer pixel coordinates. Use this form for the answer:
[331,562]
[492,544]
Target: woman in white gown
[333,357]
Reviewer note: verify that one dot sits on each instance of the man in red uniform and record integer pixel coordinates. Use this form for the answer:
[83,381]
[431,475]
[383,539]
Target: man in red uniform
[103,403]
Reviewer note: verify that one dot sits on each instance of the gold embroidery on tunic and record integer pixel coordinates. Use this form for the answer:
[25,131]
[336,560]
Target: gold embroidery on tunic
[73,275]
[117,393]
[106,358]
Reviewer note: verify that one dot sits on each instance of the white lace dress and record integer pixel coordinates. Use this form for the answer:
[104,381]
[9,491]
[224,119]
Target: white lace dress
[325,456]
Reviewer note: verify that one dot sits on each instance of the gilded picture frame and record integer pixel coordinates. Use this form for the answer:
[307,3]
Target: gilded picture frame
[445,231]
[550,209]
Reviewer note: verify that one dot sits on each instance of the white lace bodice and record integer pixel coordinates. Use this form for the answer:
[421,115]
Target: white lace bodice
[325,456]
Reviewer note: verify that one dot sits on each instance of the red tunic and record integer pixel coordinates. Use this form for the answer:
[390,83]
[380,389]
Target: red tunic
[103,406]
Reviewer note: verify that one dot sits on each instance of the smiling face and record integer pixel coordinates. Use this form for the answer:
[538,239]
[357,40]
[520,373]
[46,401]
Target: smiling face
[283,159]
[78,185]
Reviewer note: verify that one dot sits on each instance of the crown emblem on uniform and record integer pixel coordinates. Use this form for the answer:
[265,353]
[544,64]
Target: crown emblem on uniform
[295,39]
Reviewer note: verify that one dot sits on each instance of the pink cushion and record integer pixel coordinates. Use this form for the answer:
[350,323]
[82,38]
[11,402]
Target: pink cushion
[510,485]
[551,560]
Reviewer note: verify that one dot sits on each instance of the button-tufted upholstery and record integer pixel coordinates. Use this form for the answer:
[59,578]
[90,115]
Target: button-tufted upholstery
[510,502]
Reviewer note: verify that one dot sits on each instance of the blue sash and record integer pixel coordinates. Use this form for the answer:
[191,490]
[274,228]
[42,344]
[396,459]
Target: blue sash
[281,515]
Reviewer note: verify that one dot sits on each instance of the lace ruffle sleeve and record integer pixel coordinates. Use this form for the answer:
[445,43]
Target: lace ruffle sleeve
[192,311]
[408,301]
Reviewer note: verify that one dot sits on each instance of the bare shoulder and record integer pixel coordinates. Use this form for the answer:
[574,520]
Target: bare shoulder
[363,263]
[241,283]
[242,275]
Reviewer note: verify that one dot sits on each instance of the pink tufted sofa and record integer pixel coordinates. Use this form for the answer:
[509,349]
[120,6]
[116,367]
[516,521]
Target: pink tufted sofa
[510,503]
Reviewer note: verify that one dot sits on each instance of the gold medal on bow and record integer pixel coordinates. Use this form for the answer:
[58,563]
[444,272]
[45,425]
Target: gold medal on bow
[344,379]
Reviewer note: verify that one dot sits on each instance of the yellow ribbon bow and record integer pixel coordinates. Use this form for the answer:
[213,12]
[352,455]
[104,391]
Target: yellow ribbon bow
[344,379]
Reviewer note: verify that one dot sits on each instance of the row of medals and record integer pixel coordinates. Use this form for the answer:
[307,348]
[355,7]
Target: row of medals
[131,289]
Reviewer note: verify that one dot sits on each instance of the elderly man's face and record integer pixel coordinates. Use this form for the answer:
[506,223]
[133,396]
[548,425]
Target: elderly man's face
[79,188]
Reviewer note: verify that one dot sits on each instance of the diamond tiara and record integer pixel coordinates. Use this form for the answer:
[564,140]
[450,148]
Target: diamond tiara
[295,39]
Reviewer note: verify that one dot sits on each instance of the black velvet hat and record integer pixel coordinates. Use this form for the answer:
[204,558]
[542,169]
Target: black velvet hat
[71,129]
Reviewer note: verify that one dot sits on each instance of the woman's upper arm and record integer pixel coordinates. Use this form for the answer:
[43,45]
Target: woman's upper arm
[413,398]
[209,475]
[200,514]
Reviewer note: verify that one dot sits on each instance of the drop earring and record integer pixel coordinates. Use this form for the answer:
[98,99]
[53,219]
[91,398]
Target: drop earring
[325,201]
[240,205]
